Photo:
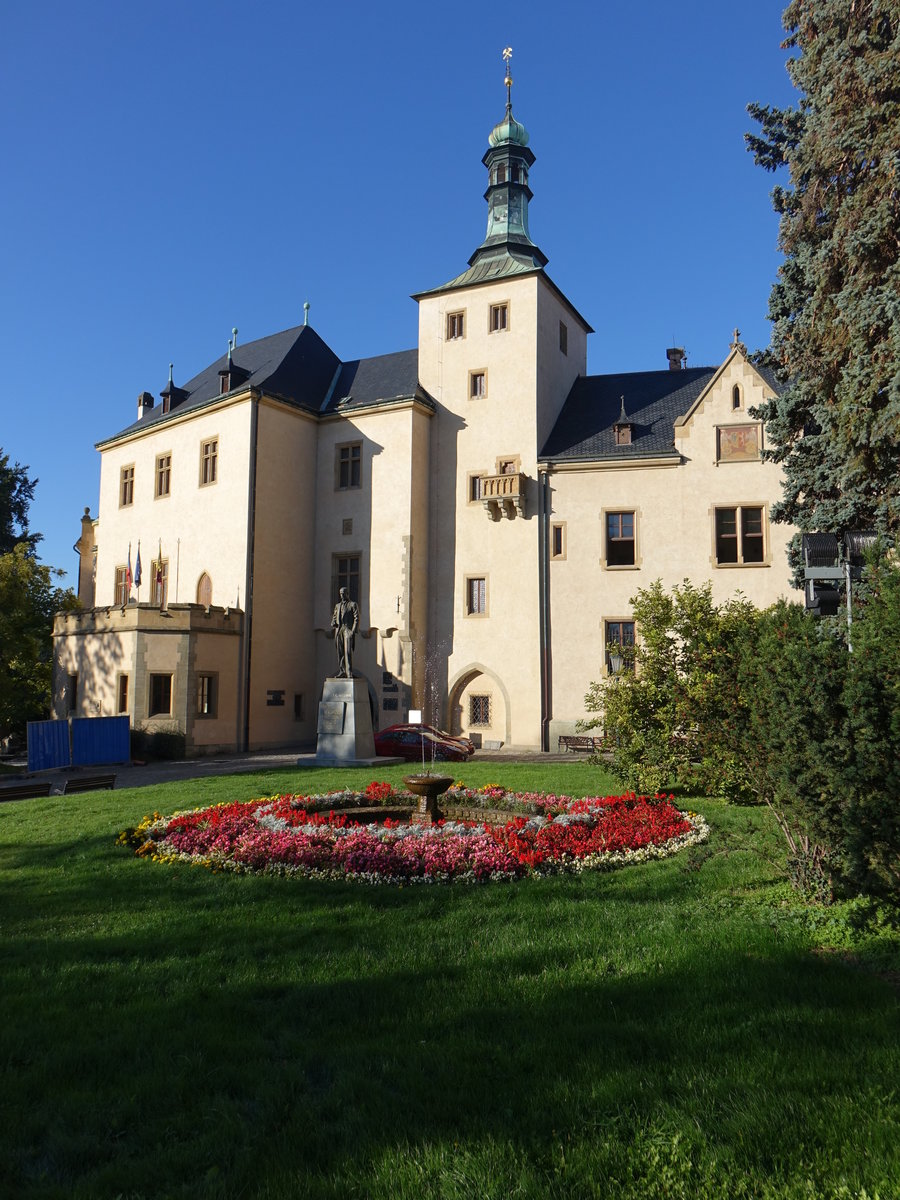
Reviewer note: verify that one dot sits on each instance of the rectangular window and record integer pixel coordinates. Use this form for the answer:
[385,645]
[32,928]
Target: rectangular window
[620,539]
[126,487]
[619,646]
[209,461]
[121,592]
[499,318]
[159,582]
[122,694]
[740,535]
[479,710]
[477,384]
[345,574]
[563,337]
[298,706]
[206,695]
[163,475]
[476,596]
[558,540]
[349,466]
[476,488]
[71,694]
[160,696]
[456,325]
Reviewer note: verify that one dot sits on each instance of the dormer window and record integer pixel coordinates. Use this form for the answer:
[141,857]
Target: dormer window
[623,427]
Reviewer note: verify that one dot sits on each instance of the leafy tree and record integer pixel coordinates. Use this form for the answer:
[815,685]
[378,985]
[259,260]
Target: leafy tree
[28,600]
[835,307]
[16,494]
[670,718]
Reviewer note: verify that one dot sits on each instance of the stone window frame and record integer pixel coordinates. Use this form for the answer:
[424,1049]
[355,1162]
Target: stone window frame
[485,699]
[123,689]
[120,587]
[208,692]
[737,398]
[154,678]
[162,476]
[738,509]
[209,461]
[476,613]
[456,318]
[621,621]
[620,510]
[349,462]
[473,484]
[341,579]
[126,485]
[479,373]
[204,575]
[156,599]
[561,528]
[499,315]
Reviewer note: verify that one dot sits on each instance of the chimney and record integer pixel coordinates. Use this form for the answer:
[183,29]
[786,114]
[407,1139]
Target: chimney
[676,357]
[145,403]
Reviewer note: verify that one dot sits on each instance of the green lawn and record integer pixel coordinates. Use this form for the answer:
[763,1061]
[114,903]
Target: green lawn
[669,1030]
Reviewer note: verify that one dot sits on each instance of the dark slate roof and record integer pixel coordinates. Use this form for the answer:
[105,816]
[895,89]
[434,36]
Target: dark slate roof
[298,367]
[371,380]
[654,400]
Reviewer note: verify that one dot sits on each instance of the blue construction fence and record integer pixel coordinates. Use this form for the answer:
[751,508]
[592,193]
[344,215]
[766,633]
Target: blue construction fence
[78,742]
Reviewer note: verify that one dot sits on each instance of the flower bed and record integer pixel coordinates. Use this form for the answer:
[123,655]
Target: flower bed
[322,837]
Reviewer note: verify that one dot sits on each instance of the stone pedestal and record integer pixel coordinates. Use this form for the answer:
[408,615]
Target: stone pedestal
[345,723]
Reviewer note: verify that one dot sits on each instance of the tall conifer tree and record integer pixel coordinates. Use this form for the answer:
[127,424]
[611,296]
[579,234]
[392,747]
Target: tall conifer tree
[835,307]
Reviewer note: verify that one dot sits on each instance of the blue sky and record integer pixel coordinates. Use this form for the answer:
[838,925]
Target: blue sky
[176,169]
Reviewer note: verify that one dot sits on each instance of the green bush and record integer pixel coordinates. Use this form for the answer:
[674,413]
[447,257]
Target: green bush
[160,745]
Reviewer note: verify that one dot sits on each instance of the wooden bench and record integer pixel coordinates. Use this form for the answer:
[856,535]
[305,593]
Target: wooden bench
[577,743]
[24,791]
[88,783]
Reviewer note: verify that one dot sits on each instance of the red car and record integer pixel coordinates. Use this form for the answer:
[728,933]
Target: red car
[406,741]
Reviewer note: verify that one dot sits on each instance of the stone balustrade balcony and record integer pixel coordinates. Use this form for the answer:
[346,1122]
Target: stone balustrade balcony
[503,495]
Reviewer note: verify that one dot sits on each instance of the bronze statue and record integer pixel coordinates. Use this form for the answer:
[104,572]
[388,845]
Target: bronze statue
[345,622]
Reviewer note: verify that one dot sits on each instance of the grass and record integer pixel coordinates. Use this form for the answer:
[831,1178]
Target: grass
[668,1030]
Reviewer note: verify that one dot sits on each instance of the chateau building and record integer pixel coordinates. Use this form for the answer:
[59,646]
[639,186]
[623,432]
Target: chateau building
[491,507]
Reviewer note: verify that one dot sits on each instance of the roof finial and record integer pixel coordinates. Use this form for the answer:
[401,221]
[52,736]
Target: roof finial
[305,312]
[623,416]
[229,351]
[171,369]
[736,337]
[234,338]
[507,55]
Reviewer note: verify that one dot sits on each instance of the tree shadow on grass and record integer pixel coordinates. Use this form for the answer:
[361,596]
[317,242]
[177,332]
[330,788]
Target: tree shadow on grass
[273,1029]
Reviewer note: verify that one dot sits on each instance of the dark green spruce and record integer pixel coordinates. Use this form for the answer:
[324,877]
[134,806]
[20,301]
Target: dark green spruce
[835,307]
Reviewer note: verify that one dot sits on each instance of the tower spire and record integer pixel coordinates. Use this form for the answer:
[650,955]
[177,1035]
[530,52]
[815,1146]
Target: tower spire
[508,161]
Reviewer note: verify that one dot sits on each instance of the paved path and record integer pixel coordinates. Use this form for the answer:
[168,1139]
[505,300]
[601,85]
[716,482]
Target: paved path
[144,774]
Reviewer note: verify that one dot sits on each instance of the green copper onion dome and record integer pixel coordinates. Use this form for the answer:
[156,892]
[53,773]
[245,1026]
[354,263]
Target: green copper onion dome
[508,131]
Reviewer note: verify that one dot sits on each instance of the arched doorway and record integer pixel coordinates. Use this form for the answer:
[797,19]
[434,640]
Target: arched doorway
[478,707]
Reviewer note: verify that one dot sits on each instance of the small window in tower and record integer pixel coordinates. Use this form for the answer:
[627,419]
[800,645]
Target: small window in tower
[456,326]
[501,173]
[564,337]
[477,384]
[499,318]
[515,174]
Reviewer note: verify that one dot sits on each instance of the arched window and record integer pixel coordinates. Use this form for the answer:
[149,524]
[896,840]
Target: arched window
[736,396]
[501,173]
[204,590]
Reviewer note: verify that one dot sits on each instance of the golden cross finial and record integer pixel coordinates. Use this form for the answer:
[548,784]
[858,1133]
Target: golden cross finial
[507,55]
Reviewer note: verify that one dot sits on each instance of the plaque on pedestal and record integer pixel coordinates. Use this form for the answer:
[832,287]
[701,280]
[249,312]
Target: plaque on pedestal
[345,723]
